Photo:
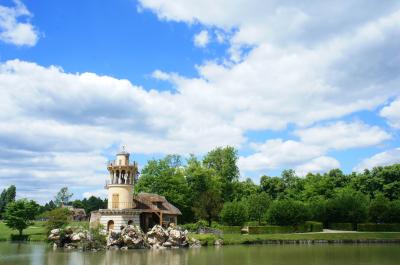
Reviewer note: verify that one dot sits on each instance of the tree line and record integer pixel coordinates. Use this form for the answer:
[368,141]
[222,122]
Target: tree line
[209,189]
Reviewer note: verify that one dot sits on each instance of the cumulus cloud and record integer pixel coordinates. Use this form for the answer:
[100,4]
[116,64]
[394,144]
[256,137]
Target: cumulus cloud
[291,63]
[385,158]
[342,135]
[13,29]
[201,39]
[317,165]
[392,113]
[309,152]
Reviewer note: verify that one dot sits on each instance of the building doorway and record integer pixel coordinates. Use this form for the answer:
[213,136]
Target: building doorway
[110,225]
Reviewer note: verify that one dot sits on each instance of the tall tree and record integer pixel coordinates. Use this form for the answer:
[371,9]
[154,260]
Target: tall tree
[223,161]
[7,196]
[205,190]
[166,177]
[63,197]
[257,205]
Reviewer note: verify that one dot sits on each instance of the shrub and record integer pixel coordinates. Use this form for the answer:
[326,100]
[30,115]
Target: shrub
[257,205]
[19,237]
[318,210]
[57,218]
[195,226]
[287,212]
[311,226]
[392,214]
[372,227]
[378,208]
[342,226]
[234,213]
[271,229]
[230,229]
[348,206]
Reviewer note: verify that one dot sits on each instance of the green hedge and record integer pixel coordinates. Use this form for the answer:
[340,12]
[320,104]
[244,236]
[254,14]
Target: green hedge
[341,226]
[308,226]
[230,229]
[371,227]
[270,229]
[19,237]
[311,226]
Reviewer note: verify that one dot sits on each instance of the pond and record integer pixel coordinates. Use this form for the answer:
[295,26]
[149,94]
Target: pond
[346,254]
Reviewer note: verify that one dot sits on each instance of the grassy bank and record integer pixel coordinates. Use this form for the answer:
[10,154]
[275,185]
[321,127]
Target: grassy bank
[36,232]
[232,239]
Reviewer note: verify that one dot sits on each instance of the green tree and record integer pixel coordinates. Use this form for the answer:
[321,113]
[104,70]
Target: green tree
[393,212]
[347,205]
[208,205]
[273,186]
[58,218]
[317,208]
[7,196]
[378,208]
[257,205]
[243,189]
[234,213]
[20,214]
[166,177]
[63,197]
[223,160]
[287,212]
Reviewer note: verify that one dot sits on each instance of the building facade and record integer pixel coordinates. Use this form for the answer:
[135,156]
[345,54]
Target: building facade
[124,208]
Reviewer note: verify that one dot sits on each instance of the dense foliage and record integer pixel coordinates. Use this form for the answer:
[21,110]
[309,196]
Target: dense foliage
[20,214]
[57,218]
[234,213]
[201,187]
[287,212]
[91,204]
[209,189]
[7,196]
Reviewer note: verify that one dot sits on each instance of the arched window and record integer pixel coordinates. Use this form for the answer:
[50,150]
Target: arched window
[110,225]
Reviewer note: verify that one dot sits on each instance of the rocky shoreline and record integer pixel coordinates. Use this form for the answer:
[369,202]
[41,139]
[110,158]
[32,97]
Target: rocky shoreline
[130,237]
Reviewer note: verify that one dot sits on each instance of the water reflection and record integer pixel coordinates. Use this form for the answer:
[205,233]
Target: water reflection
[38,254]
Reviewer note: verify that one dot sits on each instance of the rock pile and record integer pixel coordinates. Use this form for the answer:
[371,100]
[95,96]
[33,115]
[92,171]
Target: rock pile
[131,237]
[157,238]
[74,238]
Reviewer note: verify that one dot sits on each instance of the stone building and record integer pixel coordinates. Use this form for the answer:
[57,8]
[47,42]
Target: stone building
[143,209]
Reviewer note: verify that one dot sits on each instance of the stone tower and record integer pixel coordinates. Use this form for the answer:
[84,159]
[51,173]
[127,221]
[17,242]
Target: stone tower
[120,184]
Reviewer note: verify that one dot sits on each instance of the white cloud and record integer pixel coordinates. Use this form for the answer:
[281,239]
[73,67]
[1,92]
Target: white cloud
[392,113]
[201,39]
[385,158]
[102,193]
[317,165]
[326,61]
[309,152]
[13,30]
[160,75]
[342,135]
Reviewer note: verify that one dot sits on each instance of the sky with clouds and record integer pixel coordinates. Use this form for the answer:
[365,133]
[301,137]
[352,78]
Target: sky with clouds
[291,84]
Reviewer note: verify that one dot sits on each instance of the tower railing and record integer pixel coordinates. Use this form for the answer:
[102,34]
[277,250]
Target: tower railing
[121,205]
[114,163]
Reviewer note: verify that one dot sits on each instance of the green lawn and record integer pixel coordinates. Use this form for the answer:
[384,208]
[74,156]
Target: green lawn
[229,239]
[36,232]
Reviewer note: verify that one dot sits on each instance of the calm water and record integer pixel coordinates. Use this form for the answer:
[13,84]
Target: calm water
[377,254]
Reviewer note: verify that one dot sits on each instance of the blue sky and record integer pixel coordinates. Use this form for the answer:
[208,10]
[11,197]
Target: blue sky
[289,84]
